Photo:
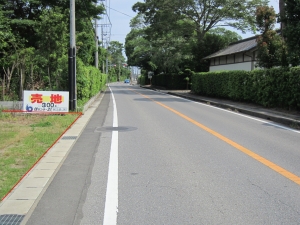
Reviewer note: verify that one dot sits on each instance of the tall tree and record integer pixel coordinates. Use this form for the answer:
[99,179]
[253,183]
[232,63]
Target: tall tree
[173,50]
[39,39]
[213,41]
[138,49]
[9,45]
[23,16]
[292,31]
[25,62]
[205,15]
[166,51]
[115,52]
[52,46]
[282,15]
[271,47]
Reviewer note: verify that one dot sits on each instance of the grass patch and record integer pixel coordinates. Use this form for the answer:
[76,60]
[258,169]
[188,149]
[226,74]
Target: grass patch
[23,139]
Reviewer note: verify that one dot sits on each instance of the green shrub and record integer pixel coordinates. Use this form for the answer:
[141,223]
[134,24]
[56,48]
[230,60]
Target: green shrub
[89,80]
[276,87]
[142,80]
[171,81]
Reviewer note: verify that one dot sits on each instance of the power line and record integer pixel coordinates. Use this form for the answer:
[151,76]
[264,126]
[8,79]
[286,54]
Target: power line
[106,26]
[120,12]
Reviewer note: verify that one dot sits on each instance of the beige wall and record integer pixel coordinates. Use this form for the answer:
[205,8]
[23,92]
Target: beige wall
[247,57]
[230,59]
[236,66]
[223,60]
[239,57]
[236,58]
[240,61]
[255,55]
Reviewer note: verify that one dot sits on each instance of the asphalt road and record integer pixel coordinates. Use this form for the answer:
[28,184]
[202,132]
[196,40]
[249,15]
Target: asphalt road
[150,158]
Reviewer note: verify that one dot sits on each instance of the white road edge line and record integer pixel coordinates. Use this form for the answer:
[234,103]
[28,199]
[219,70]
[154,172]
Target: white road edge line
[111,201]
[250,117]
[239,114]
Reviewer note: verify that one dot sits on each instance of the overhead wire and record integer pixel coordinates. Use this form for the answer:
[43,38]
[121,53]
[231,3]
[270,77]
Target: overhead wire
[121,12]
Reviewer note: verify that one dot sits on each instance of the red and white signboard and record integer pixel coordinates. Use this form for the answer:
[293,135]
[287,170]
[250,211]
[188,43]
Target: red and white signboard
[46,101]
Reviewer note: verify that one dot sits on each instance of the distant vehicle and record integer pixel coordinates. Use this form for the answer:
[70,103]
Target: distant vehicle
[126,81]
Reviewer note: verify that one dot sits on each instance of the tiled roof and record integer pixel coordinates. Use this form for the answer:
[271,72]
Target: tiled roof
[236,47]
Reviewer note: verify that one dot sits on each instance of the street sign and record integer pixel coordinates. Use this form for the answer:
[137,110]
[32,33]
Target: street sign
[46,101]
[150,74]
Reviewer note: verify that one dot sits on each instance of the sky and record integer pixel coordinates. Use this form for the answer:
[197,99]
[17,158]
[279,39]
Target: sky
[120,13]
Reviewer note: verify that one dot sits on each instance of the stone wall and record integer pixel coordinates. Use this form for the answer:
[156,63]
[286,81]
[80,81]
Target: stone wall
[15,105]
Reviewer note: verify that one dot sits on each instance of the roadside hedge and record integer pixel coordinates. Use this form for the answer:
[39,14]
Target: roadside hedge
[142,80]
[89,80]
[170,81]
[277,87]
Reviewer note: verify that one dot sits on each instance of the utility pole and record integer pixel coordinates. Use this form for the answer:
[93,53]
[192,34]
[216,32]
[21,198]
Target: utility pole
[96,40]
[102,47]
[119,71]
[106,61]
[72,60]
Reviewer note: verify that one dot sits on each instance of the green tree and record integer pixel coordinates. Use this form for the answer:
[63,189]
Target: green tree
[85,41]
[115,50]
[34,40]
[23,16]
[213,41]
[52,33]
[175,50]
[271,47]
[137,48]
[24,59]
[167,51]
[9,45]
[162,16]
[292,30]
[117,60]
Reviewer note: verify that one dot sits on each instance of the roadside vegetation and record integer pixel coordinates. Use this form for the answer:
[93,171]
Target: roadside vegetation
[24,138]
[171,38]
[34,43]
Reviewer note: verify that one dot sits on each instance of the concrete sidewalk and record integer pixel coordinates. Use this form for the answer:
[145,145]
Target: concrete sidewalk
[290,118]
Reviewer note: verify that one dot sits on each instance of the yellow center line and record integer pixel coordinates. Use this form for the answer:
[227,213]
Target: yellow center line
[248,152]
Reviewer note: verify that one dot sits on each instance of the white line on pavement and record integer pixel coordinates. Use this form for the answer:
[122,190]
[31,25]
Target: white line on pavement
[111,202]
[239,114]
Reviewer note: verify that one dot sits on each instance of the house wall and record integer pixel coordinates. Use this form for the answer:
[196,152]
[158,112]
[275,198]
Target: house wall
[255,55]
[230,59]
[247,57]
[239,57]
[222,60]
[235,66]
[240,61]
